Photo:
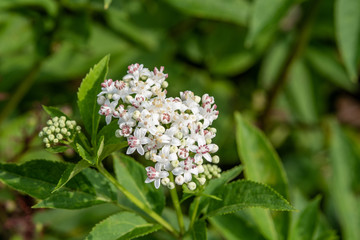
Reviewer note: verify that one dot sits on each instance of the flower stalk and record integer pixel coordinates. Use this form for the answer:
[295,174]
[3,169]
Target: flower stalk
[175,200]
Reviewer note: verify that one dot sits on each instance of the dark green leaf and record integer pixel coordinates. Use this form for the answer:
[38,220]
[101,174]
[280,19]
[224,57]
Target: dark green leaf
[307,222]
[233,227]
[87,97]
[247,194]
[198,232]
[343,175]
[132,175]
[54,112]
[227,10]
[84,154]
[71,171]
[57,149]
[111,142]
[347,24]
[50,6]
[265,14]
[123,225]
[36,178]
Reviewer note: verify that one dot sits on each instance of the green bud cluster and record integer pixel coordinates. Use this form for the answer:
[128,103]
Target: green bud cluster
[59,130]
[210,171]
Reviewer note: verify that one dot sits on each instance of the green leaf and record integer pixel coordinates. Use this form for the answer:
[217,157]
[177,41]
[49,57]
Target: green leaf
[132,175]
[71,171]
[84,154]
[86,189]
[57,149]
[198,232]
[50,6]
[307,222]
[242,230]
[123,225]
[214,185]
[262,164]
[111,142]
[54,112]
[107,3]
[325,62]
[265,14]
[227,10]
[347,26]
[36,178]
[247,194]
[87,97]
[343,175]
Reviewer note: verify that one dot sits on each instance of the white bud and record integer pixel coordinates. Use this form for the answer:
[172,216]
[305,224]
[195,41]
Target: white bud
[57,130]
[165,181]
[51,137]
[109,96]
[47,145]
[202,180]
[45,140]
[200,168]
[101,100]
[173,149]
[161,129]
[136,115]
[68,134]
[179,180]
[59,136]
[78,128]
[63,130]
[197,99]
[128,98]
[191,186]
[62,124]
[41,133]
[147,155]
[165,84]
[45,129]
[49,122]
[56,140]
[68,123]
[214,149]
[200,161]
[63,118]
[178,135]
[56,124]
[52,128]
[73,123]
[215,159]
[212,130]
[48,132]
[55,119]
[175,163]
[208,140]
[143,77]
[171,185]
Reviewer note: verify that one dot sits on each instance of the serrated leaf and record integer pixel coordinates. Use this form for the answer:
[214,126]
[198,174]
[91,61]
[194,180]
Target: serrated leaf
[71,171]
[228,10]
[242,230]
[123,225]
[265,14]
[307,222]
[343,175]
[262,164]
[36,178]
[347,26]
[132,175]
[84,154]
[54,112]
[247,194]
[86,189]
[87,97]
[111,142]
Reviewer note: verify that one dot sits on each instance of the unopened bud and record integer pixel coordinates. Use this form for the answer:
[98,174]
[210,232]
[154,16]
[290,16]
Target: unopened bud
[165,84]
[202,180]
[197,99]
[136,115]
[49,122]
[178,135]
[214,149]
[208,140]
[165,181]
[215,159]
[173,149]
[101,100]
[161,129]
[175,163]
[171,185]
[191,186]
[147,154]
[179,180]
[200,169]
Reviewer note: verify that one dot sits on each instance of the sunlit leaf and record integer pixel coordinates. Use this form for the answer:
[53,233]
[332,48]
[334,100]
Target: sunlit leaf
[123,225]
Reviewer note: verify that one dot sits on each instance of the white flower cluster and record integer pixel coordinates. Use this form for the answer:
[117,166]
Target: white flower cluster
[174,133]
[59,130]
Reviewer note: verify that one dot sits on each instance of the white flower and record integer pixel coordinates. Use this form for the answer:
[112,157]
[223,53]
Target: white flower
[155,175]
[165,157]
[135,142]
[186,168]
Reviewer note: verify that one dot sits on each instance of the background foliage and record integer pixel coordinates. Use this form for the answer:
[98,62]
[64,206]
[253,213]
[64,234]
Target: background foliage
[290,67]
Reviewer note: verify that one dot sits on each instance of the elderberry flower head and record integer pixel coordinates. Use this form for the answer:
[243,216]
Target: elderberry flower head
[174,133]
[59,130]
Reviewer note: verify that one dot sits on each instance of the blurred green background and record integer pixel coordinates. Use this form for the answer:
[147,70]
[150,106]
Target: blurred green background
[291,67]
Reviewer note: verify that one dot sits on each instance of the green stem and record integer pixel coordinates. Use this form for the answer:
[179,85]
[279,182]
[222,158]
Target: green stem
[137,202]
[194,213]
[176,203]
